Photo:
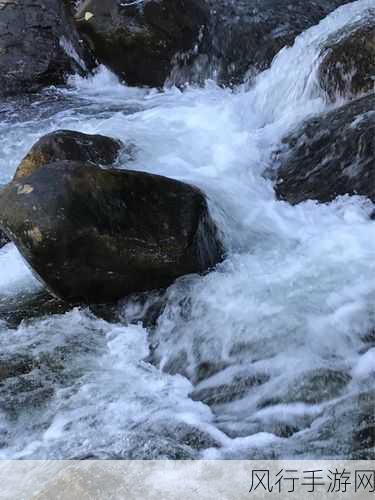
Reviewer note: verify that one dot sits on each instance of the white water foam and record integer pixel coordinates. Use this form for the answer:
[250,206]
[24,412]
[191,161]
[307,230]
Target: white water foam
[15,276]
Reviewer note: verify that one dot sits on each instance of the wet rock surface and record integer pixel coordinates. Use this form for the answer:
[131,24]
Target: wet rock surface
[138,40]
[64,145]
[29,306]
[96,235]
[39,45]
[348,65]
[3,239]
[225,393]
[349,423]
[190,40]
[363,437]
[315,387]
[330,155]
[242,37]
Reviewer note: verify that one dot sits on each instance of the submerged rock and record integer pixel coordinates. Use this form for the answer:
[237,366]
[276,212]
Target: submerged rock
[69,145]
[346,429]
[331,155]
[28,306]
[234,390]
[312,387]
[95,235]
[39,45]
[10,368]
[363,437]
[138,40]
[348,65]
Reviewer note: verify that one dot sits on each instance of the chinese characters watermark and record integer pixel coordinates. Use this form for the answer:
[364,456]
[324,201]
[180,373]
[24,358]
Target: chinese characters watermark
[332,481]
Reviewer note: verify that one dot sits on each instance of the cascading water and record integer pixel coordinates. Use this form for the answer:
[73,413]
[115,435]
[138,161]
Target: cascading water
[271,355]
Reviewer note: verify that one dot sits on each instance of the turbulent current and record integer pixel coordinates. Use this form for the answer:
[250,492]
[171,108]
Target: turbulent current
[271,355]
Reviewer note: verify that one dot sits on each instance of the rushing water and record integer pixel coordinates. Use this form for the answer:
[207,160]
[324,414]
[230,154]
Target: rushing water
[270,355]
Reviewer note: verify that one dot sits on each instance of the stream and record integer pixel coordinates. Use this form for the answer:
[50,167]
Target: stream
[271,355]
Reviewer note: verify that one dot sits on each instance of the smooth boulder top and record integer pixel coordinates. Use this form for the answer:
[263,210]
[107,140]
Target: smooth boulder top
[94,235]
[348,60]
[39,45]
[332,154]
[138,40]
[70,145]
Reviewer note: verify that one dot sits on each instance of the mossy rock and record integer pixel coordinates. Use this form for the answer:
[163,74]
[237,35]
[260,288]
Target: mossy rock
[94,235]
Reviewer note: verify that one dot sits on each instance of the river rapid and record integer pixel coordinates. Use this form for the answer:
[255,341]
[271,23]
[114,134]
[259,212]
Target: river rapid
[271,355]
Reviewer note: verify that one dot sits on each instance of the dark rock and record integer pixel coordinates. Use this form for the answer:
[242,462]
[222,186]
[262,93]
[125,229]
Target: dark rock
[3,239]
[71,5]
[225,393]
[96,235]
[243,36]
[143,308]
[39,45]
[364,443]
[25,307]
[330,155]
[69,145]
[190,40]
[176,364]
[207,369]
[342,430]
[187,435]
[138,40]
[369,338]
[10,368]
[22,392]
[347,428]
[363,437]
[313,387]
[318,385]
[348,65]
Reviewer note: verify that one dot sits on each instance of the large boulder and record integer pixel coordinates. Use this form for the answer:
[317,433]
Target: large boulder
[39,45]
[94,235]
[330,155]
[147,42]
[70,145]
[348,60]
[139,39]
[243,36]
